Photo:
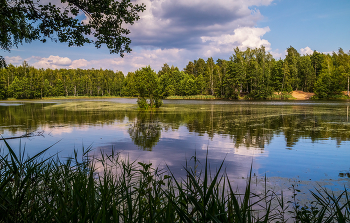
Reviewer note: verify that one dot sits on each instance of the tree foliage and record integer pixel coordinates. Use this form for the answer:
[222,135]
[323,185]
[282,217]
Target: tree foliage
[27,20]
[147,86]
[2,62]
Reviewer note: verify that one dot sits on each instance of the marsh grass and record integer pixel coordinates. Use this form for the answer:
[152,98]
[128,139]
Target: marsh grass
[108,188]
[284,96]
[93,106]
[199,97]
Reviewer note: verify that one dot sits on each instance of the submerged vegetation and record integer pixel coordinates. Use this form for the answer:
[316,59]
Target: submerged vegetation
[253,73]
[107,188]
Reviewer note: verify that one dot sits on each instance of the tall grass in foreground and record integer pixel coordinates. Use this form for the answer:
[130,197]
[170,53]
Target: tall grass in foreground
[111,189]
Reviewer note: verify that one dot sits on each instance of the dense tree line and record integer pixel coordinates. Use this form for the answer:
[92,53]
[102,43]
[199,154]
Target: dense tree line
[253,72]
[25,82]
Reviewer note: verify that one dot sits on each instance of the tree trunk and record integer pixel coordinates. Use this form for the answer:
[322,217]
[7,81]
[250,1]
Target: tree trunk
[348,85]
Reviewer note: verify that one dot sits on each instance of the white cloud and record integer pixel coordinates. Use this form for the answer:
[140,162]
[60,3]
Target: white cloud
[51,62]
[306,50]
[243,38]
[182,23]
[81,63]
[276,54]
[131,62]
[16,60]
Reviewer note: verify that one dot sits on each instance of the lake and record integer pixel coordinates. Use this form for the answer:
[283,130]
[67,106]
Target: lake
[288,141]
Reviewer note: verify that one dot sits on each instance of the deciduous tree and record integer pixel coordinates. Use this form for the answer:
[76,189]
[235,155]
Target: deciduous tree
[28,20]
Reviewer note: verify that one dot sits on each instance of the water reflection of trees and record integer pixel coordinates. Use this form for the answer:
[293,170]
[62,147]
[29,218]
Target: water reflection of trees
[145,131]
[250,126]
[31,116]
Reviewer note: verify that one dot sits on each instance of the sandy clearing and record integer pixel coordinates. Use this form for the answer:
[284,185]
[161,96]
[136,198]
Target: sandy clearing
[301,95]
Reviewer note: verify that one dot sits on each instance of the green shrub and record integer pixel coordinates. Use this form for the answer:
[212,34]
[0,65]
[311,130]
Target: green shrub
[142,103]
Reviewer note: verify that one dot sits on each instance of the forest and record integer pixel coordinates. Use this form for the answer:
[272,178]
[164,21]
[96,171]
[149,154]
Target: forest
[252,73]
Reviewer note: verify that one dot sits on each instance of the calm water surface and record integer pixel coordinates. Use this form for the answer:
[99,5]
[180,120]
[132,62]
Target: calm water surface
[303,140]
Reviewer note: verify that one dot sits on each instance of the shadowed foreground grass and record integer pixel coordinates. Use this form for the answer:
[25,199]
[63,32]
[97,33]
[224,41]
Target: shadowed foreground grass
[110,189]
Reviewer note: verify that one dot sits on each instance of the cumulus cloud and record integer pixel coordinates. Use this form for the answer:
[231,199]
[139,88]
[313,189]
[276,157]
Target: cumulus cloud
[131,62]
[306,50]
[16,60]
[181,24]
[51,62]
[243,38]
[81,63]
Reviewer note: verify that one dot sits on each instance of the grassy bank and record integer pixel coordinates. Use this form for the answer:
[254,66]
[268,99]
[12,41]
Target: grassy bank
[241,97]
[198,97]
[111,189]
[281,97]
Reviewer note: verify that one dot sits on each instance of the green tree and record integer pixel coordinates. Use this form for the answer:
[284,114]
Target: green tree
[306,75]
[47,89]
[316,60]
[164,70]
[286,82]
[328,83]
[222,74]
[190,68]
[2,88]
[15,89]
[59,88]
[129,83]
[232,80]
[293,60]
[209,76]
[148,87]
[199,67]
[277,76]
[27,20]
[2,62]
[343,67]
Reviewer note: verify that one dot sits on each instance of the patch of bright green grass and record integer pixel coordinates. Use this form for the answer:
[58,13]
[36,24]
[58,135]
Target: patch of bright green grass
[284,96]
[93,106]
[199,97]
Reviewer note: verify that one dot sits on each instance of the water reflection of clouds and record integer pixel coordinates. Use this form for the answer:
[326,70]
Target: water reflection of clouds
[217,143]
[10,104]
[60,130]
[225,145]
[177,146]
[175,133]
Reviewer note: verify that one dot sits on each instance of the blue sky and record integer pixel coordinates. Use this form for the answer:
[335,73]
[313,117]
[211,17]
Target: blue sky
[176,32]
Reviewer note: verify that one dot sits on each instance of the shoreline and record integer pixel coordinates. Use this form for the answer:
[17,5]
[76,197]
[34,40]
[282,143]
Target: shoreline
[295,95]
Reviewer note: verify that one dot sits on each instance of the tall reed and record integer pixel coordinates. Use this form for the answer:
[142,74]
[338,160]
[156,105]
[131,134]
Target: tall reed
[108,188]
